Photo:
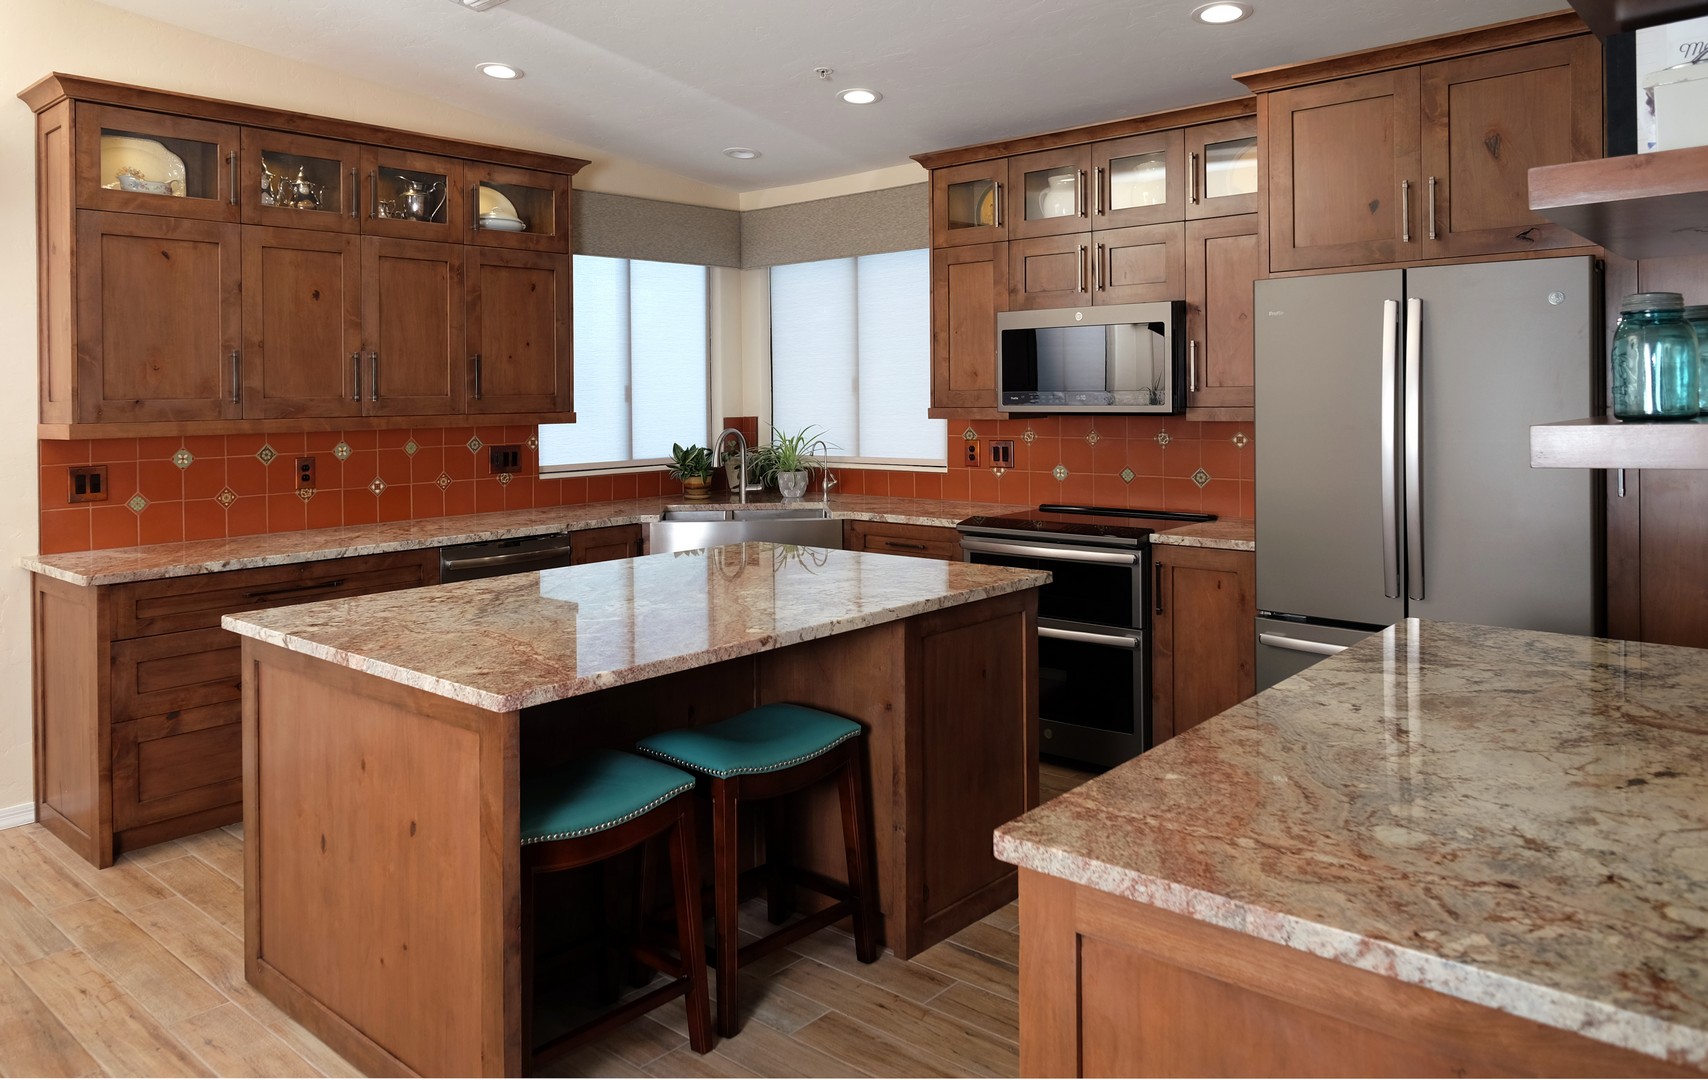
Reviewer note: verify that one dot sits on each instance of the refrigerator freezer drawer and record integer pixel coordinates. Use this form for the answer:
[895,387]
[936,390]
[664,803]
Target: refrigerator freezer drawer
[1285,648]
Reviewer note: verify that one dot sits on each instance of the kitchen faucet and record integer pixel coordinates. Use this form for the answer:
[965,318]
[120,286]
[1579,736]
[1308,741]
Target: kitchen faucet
[741,443]
[829,481]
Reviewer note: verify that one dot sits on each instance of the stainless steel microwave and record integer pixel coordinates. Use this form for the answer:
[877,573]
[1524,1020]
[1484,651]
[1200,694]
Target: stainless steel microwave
[1123,358]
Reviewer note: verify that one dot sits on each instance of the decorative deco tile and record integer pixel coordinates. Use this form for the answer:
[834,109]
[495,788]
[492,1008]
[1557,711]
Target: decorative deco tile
[1163,438]
[1239,438]
[443,480]
[969,434]
[1127,476]
[411,447]
[183,458]
[474,444]
[341,451]
[266,453]
[1059,472]
[137,503]
[377,485]
[1200,477]
[533,442]
[1030,435]
[504,478]
[1092,437]
[226,497]
[305,494]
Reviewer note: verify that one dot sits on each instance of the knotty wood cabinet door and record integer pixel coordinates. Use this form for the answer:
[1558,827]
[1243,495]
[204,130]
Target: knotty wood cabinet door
[1138,180]
[1050,272]
[1223,258]
[605,544]
[412,318]
[1221,168]
[1139,264]
[331,168]
[518,331]
[968,203]
[1203,644]
[969,285]
[157,318]
[302,323]
[1048,192]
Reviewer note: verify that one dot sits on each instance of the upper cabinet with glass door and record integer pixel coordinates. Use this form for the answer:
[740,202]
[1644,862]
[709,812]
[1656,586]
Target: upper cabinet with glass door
[1221,168]
[1048,192]
[967,203]
[517,208]
[412,196]
[299,181]
[139,162]
[1137,180]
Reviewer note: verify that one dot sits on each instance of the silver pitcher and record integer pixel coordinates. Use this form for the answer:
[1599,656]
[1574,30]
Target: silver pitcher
[415,199]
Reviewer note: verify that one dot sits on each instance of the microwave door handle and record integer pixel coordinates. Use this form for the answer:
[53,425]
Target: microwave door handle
[1389,405]
[1048,551]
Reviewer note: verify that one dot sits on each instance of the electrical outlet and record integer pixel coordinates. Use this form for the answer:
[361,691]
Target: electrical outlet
[972,452]
[305,473]
[1002,453]
[506,459]
[88,484]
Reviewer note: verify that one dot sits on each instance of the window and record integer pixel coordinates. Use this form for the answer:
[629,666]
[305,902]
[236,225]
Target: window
[641,363]
[851,353]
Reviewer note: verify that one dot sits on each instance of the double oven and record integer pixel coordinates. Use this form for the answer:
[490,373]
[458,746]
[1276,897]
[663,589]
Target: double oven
[1093,619]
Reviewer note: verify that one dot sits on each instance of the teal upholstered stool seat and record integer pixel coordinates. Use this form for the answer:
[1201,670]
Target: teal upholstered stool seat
[760,740]
[592,809]
[768,753]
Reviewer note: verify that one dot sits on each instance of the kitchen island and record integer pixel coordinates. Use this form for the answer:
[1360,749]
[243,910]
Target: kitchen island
[1449,850]
[386,739]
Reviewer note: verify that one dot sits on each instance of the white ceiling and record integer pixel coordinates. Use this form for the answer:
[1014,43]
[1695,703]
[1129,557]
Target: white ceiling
[672,82]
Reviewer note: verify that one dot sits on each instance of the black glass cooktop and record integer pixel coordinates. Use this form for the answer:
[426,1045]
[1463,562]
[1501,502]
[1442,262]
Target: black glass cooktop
[1057,519]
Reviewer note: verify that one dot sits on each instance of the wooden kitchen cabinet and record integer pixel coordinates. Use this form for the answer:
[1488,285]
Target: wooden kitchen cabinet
[890,538]
[969,285]
[412,312]
[1203,648]
[540,200]
[390,174]
[1223,258]
[1428,160]
[1138,180]
[967,204]
[138,694]
[1222,168]
[606,544]
[302,323]
[1048,192]
[318,179]
[196,157]
[517,331]
[1115,266]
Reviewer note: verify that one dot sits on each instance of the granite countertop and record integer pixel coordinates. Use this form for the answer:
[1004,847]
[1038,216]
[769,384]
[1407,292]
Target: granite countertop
[525,639]
[1513,818]
[1229,534]
[114,566]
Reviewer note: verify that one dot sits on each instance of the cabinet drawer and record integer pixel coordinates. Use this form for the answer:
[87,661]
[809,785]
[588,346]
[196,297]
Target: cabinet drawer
[169,673]
[605,544]
[168,766]
[189,603]
[921,541]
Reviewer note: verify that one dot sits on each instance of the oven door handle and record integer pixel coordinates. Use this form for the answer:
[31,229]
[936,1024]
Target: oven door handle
[1049,551]
[1320,648]
[1120,641]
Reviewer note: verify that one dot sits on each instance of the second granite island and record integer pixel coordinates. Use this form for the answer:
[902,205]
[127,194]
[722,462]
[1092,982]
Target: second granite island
[386,739]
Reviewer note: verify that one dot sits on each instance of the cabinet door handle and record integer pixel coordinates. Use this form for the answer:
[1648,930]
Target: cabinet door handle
[374,193]
[373,374]
[1192,366]
[1097,190]
[356,372]
[236,377]
[1097,274]
[998,204]
[475,360]
[231,159]
[1156,587]
[355,191]
[1432,208]
[474,207]
[1080,285]
[1083,201]
[1192,178]
[1405,211]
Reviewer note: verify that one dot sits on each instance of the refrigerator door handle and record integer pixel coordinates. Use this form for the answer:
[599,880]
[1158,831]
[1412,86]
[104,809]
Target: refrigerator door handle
[1390,495]
[1414,448]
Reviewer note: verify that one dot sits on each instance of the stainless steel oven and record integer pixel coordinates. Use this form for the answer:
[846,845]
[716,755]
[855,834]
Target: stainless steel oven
[1093,620]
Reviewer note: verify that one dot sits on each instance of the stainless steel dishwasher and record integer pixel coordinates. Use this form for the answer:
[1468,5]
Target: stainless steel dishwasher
[490,558]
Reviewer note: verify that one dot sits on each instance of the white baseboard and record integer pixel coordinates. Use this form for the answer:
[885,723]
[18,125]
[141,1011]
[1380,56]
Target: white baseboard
[22,814]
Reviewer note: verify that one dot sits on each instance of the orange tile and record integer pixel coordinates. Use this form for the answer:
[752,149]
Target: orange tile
[161,523]
[160,481]
[281,475]
[1182,458]
[1076,427]
[488,495]
[599,489]
[393,467]
[460,464]
[982,486]
[1247,499]
[321,442]
[877,482]
[243,445]
[360,507]
[455,436]
[650,484]
[853,482]
[1040,455]
[204,519]
[158,448]
[490,435]
[1143,427]
[1077,455]
[459,498]
[288,443]
[1109,456]
[394,504]
[112,526]
[361,440]
[53,487]
[205,446]
[286,513]
[246,476]
[519,493]
[1146,493]
[1110,427]
[626,486]
[1183,429]
[391,438]
[325,510]
[1221,459]
[426,501]
[121,480]
[927,486]
[106,450]
[64,530]
[1181,494]
[1014,487]
[1144,457]
[428,436]
[1221,497]
[574,490]
[64,452]
[360,468]
[1079,489]
[426,465]
[956,485]
[204,478]
[247,516]
[1108,491]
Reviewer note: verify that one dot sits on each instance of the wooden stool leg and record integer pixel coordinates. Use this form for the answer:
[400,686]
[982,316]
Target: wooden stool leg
[527,963]
[685,873]
[727,875]
[856,844]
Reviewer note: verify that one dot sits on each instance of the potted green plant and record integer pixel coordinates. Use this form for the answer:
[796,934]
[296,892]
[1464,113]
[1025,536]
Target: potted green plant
[788,461]
[692,464]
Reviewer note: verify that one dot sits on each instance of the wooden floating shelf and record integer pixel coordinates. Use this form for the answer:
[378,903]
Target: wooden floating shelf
[1607,17]
[1605,443]
[1642,206]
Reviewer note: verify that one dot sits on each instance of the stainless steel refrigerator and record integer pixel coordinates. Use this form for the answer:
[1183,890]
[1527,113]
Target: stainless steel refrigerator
[1393,464]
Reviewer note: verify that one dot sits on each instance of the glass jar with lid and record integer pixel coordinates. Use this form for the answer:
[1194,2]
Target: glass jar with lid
[1697,316]
[1654,359]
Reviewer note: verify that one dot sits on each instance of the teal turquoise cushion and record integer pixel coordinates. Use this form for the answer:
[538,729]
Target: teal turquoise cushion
[601,789]
[760,740]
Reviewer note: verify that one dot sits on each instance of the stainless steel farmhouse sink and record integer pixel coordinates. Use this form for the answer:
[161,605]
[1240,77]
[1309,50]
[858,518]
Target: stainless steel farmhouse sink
[685,530]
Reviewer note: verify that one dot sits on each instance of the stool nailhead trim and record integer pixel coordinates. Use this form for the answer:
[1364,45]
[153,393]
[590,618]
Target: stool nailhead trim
[603,825]
[743,770]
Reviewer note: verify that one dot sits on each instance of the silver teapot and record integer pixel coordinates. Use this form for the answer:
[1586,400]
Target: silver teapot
[414,200]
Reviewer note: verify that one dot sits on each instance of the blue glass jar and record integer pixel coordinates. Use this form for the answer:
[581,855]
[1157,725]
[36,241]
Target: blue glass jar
[1697,316]
[1654,359]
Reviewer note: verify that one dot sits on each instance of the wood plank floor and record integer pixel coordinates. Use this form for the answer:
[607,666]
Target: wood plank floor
[137,970]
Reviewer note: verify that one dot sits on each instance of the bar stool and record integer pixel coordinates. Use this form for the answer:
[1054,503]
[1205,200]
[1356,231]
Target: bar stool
[593,809]
[766,753]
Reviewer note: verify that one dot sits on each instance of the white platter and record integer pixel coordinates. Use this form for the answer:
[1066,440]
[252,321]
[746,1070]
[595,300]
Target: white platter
[143,159]
[493,203]
[503,224]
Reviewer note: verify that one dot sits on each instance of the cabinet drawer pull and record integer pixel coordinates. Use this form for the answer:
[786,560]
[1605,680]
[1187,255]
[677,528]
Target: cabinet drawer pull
[287,590]
[1405,211]
[904,545]
[475,360]
[236,377]
[1432,208]
[1192,178]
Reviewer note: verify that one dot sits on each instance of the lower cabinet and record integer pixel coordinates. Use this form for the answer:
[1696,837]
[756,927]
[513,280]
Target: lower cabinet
[138,694]
[924,541]
[1204,601]
[606,544]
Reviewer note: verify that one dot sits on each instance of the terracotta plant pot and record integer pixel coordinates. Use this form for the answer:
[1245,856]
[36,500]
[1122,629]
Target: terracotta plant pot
[696,487]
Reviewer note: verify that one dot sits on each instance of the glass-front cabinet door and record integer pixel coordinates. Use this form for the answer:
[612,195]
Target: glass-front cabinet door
[412,196]
[967,203]
[1048,192]
[299,181]
[517,208]
[141,162]
[1138,180]
[1222,168]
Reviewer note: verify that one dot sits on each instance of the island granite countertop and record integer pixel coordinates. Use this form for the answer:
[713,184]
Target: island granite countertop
[1516,819]
[525,639]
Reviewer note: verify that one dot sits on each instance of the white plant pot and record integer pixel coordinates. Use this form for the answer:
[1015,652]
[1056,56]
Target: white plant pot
[792,485]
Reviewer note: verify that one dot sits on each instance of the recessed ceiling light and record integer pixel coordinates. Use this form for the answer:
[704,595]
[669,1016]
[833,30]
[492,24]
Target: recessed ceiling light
[740,153]
[1221,12]
[499,71]
[859,95]
[478,5]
